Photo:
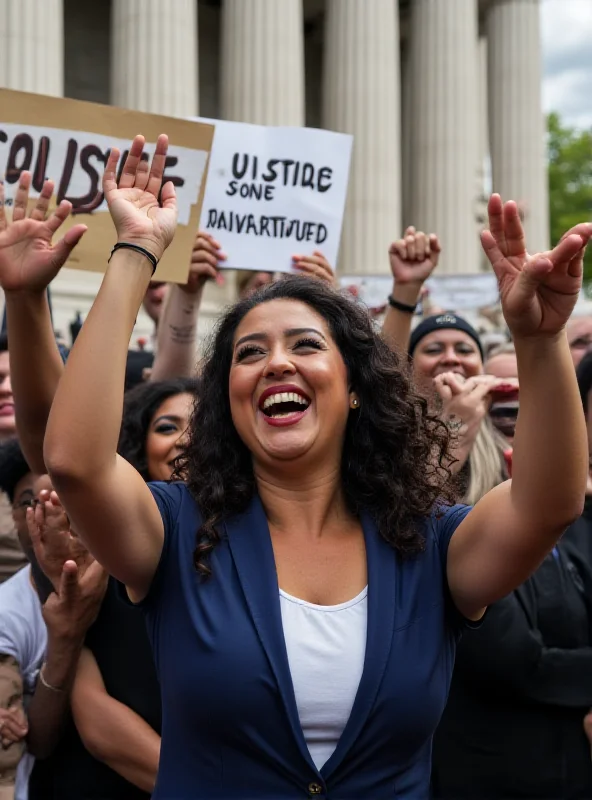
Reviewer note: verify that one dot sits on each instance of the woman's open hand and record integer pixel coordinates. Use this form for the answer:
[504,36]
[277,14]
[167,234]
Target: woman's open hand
[52,540]
[315,266]
[205,261]
[538,293]
[134,204]
[28,259]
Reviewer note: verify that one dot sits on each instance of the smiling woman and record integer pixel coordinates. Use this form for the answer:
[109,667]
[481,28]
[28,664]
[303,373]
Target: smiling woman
[300,339]
[304,588]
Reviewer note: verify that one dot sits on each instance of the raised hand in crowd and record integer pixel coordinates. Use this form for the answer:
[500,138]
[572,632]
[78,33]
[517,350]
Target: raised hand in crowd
[73,607]
[28,259]
[85,469]
[538,293]
[412,259]
[53,542]
[206,256]
[177,330]
[28,263]
[138,215]
[315,266]
[79,587]
[550,456]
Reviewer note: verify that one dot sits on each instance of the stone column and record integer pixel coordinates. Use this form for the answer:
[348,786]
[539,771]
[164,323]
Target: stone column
[406,137]
[483,152]
[443,117]
[515,113]
[154,56]
[483,184]
[362,97]
[32,46]
[31,50]
[262,69]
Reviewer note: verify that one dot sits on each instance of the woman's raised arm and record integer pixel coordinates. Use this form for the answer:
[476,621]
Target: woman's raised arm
[509,532]
[28,263]
[107,501]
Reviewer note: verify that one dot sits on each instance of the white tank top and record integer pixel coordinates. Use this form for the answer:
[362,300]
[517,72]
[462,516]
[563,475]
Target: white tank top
[326,647]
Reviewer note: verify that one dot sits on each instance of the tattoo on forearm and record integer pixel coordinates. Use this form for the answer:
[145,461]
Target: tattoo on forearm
[182,334]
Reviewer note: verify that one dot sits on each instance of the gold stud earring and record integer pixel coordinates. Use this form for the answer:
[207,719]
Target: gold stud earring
[355,402]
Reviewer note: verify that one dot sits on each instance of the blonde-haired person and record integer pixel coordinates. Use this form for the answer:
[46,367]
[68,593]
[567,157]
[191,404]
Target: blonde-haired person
[447,361]
[501,361]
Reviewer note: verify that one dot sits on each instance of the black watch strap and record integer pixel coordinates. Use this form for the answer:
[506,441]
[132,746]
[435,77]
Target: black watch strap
[406,309]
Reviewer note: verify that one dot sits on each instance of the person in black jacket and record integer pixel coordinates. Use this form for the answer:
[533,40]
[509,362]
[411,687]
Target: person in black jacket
[514,726]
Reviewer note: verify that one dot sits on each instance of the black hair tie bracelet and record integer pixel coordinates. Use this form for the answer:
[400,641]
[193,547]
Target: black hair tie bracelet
[406,309]
[129,246]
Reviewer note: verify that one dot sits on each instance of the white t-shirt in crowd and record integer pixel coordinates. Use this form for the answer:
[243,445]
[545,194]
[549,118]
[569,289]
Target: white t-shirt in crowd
[326,647]
[23,635]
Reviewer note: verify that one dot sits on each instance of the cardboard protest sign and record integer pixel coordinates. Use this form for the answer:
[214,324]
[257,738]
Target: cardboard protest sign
[274,192]
[452,292]
[68,141]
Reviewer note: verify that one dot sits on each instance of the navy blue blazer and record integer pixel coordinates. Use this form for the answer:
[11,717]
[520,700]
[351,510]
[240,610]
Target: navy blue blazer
[230,725]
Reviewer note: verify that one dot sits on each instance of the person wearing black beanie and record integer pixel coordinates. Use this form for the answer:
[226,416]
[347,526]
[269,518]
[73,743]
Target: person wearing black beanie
[446,321]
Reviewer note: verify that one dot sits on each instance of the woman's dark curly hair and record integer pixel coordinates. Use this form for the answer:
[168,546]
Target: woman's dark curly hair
[139,407]
[395,456]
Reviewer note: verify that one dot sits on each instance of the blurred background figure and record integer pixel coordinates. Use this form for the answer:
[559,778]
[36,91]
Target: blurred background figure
[503,411]
[12,557]
[518,721]
[579,333]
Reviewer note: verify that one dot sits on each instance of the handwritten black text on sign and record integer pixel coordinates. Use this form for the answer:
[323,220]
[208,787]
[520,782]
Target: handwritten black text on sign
[252,184]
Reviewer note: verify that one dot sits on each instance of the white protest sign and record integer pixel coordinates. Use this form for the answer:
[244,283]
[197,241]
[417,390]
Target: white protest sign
[274,192]
[451,292]
[463,292]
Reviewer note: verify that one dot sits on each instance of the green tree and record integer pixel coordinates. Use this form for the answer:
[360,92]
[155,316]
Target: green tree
[570,181]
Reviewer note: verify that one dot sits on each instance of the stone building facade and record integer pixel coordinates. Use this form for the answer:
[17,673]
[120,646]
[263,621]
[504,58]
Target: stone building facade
[442,98]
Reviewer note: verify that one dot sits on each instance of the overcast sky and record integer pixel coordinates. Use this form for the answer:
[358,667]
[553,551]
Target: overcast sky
[567,59]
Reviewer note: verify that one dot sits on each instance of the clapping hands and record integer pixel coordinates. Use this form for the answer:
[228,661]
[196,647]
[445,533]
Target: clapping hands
[464,402]
[79,581]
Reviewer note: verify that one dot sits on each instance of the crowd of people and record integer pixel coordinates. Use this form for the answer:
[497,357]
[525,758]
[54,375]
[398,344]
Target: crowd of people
[327,559]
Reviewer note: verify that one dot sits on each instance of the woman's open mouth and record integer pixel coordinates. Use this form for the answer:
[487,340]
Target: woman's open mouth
[283,408]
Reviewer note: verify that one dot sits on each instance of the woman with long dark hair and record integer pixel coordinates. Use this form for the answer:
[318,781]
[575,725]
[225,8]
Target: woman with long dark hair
[305,587]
